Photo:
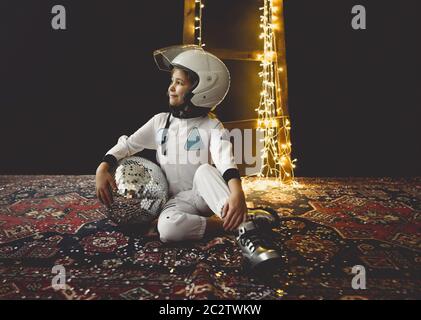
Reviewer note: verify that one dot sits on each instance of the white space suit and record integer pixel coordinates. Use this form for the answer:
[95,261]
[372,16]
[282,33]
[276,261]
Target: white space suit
[185,153]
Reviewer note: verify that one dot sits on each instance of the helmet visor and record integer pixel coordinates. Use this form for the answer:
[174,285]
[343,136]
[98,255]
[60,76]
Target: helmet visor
[164,57]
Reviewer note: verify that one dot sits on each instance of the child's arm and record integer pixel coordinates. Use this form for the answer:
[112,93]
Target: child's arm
[143,138]
[125,147]
[235,209]
[235,186]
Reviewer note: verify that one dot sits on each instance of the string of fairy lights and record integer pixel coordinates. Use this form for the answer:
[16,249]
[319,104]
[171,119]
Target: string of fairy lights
[276,156]
[276,151]
[198,22]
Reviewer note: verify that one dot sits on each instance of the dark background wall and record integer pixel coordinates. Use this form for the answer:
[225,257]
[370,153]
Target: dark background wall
[66,96]
[355,96]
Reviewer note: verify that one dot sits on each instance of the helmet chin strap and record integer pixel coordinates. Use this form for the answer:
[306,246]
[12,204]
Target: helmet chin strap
[187,110]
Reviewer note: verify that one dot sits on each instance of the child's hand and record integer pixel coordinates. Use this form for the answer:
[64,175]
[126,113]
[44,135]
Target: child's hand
[234,211]
[104,184]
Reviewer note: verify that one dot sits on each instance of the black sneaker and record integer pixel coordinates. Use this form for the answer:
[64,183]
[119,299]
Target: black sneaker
[260,254]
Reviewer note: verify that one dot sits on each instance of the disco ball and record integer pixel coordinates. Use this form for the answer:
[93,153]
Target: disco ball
[142,191]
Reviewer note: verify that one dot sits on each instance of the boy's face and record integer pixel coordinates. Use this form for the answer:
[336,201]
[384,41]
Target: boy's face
[179,86]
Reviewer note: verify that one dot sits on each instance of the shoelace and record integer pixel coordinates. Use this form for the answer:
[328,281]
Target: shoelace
[251,240]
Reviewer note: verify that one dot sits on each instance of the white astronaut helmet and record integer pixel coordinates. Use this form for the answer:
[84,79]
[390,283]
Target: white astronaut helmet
[212,74]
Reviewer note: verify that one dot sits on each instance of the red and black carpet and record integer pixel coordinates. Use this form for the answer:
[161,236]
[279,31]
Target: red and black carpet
[329,226]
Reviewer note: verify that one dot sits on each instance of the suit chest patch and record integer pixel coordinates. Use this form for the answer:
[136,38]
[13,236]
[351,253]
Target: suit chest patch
[194,140]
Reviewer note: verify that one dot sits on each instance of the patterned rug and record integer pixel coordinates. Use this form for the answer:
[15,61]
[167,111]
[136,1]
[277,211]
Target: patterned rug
[328,227]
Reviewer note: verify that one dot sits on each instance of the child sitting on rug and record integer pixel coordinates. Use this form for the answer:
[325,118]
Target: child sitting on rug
[204,200]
